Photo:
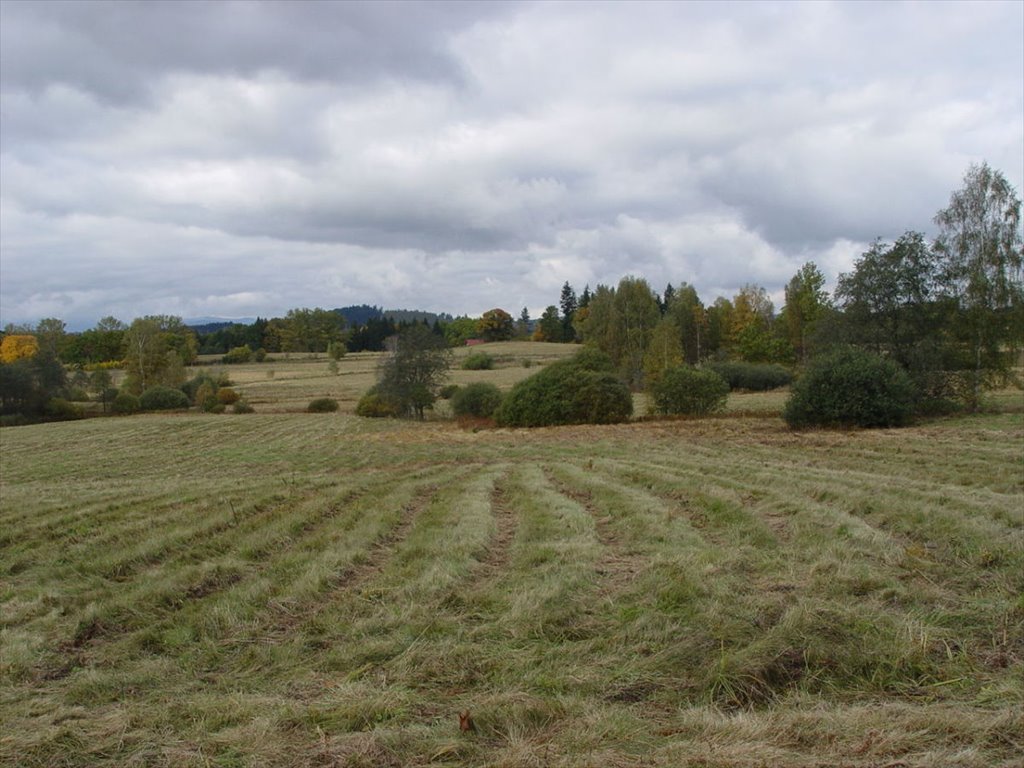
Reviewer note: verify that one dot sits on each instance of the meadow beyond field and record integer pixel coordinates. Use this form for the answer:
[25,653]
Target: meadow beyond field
[293,589]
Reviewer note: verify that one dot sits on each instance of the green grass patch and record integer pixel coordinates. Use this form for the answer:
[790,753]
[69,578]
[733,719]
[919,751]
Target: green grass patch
[288,590]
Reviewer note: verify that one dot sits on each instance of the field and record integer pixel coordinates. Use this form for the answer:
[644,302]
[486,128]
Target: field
[292,589]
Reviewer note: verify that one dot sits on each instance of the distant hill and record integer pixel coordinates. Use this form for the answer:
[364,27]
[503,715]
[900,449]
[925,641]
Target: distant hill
[204,325]
[360,314]
[416,316]
[355,315]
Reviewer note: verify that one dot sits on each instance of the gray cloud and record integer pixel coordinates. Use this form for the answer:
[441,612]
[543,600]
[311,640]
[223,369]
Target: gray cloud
[115,49]
[243,158]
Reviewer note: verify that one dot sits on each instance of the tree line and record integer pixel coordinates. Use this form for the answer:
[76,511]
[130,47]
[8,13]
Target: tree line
[950,312]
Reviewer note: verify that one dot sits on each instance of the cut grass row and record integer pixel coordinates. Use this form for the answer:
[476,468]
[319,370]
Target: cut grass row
[714,592]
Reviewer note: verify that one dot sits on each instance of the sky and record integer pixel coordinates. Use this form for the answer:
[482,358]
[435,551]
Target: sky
[239,159]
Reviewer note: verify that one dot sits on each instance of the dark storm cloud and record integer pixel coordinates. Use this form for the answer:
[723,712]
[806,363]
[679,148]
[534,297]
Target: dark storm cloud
[115,49]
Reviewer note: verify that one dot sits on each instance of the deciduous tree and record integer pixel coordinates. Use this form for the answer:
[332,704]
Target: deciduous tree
[495,325]
[414,369]
[891,303]
[806,302]
[664,351]
[18,346]
[549,327]
[981,263]
[311,330]
[157,349]
[51,332]
[686,308]
[637,312]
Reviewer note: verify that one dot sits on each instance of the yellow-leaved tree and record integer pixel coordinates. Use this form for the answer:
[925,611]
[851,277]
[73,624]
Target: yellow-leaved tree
[18,346]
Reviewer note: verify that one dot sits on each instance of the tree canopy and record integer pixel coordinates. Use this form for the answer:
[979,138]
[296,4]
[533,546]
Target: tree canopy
[414,369]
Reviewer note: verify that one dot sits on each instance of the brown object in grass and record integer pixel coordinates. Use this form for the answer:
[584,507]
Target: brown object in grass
[466,722]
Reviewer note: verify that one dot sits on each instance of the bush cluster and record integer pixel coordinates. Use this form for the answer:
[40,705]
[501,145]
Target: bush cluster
[227,396]
[161,398]
[59,409]
[373,405]
[204,384]
[238,355]
[754,377]
[479,400]
[322,405]
[581,390]
[687,391]
[851,387]
[125,404]
[478,361]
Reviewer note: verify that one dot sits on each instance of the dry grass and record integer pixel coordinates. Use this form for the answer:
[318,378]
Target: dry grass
[286,384]
[291,589]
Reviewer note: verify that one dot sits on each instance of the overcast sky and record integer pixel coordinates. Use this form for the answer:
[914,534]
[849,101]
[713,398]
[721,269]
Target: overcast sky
[243,158]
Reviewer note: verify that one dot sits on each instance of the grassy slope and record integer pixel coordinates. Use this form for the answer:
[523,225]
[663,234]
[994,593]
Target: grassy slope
[291,589]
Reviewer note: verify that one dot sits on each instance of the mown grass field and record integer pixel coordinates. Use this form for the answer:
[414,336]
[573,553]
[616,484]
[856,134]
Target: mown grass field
[291,589]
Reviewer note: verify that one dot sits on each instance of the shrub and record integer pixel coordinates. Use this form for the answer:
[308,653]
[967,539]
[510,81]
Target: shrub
[242,406]
[373,405]
[687,391]
[59,409]
[241,354]
[322,405]
[204,384]
[601,398]
[447,391]
[78,395]
[851,387]
[199,387]
[260,355]
[108,365]
[479,399]
[591,359]
[161,398]
[478,361]
[580,390]
[206,396]
[107,396]
[125,403]
[755,377]
[227,396]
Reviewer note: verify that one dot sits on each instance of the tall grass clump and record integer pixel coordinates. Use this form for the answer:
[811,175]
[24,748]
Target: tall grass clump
[851,387]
